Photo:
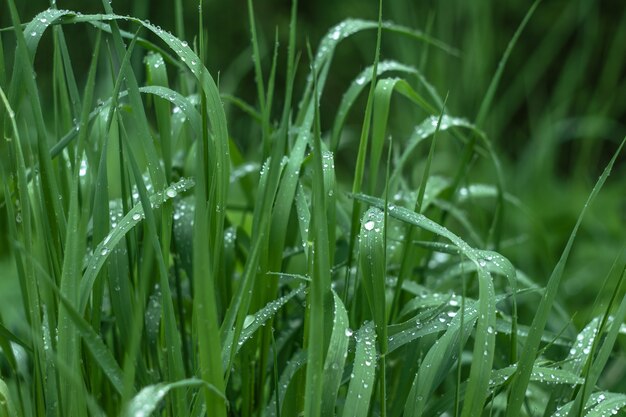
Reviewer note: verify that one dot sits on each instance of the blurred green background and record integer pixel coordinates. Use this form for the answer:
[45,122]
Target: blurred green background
[557,117]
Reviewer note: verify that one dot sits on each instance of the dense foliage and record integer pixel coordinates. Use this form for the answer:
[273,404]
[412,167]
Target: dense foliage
[404,217]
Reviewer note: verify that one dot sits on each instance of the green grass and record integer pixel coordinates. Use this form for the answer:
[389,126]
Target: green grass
[313,226]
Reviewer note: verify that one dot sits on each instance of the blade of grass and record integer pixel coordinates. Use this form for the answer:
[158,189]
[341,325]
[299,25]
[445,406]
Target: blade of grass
[521,378]
[147,400]
[363,373]
[319,314]
[335,358]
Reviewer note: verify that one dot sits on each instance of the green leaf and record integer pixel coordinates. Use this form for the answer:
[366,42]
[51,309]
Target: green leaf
[335,358]
[145,402]
[363,373]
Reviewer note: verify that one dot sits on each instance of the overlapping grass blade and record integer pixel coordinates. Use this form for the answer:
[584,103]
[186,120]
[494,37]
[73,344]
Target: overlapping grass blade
[382,102]
[130,220]
[595,367]
[439,360]
[291,368]
[147,400]
[255,322]
[485,334]
[606,404]
[359,84]
[539,374]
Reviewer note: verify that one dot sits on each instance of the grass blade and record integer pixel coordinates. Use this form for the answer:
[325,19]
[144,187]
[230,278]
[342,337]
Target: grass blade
[363,373]
[521,378]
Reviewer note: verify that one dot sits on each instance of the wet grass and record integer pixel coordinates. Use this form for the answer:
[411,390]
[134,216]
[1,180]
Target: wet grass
[342,234]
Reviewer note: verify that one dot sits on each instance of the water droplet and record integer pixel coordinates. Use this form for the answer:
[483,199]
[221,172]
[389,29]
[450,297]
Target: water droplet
[171,193]
[83,168]
[137,216]
[348,332]
[369,225]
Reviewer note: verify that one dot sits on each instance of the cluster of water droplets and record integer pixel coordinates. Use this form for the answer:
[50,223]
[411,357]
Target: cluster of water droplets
[364,370]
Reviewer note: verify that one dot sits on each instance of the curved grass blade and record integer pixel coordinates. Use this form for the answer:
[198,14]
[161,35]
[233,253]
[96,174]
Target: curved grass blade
[359,84]
[335,357]
[145,402]
[297,361]
[93,341]
[539,374]
[7,409]
[601,404]
[429,322]
[423,131]
[255,322]
[607,404]
[181,103]
[595,368]
[363,373]
[485,335]
[130,220]
[440,360]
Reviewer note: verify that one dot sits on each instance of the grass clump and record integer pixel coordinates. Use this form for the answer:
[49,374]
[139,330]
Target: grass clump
[176,249]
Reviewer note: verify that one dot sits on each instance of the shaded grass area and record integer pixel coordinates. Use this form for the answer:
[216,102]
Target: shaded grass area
[409,212]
